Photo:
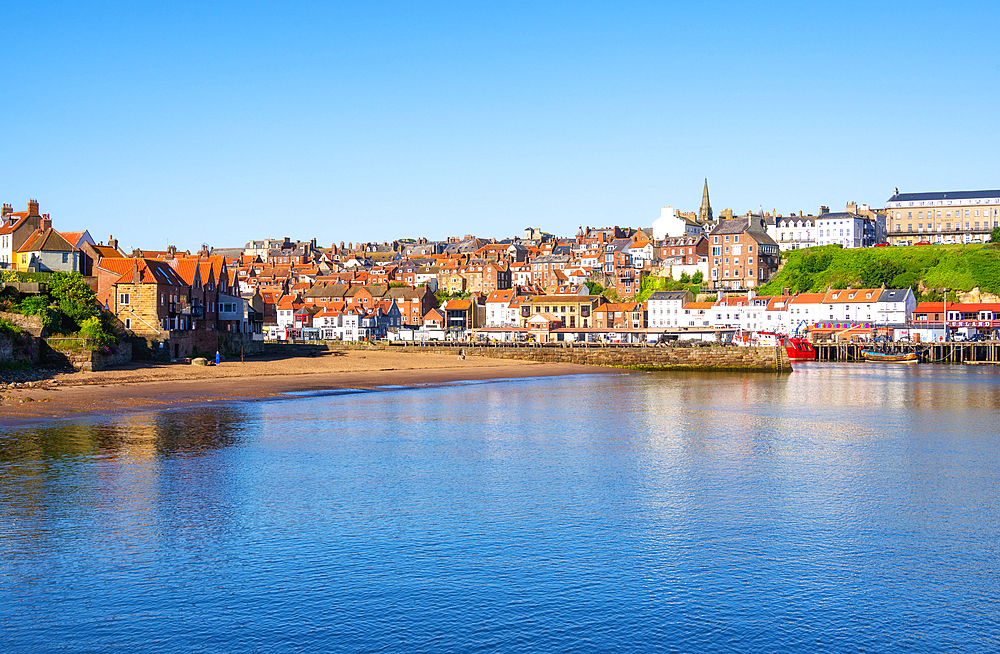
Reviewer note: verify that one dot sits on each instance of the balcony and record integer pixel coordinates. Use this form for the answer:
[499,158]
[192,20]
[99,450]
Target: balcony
[985,230]
[183,308]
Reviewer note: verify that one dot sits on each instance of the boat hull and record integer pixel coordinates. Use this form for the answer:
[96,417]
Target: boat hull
[799,349]
[883,357]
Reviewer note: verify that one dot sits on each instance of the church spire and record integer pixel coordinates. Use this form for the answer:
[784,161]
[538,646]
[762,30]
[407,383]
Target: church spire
[705,213]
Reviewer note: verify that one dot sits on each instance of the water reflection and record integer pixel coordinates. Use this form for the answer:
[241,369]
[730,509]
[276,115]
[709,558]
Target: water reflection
[847,507]
[112,468]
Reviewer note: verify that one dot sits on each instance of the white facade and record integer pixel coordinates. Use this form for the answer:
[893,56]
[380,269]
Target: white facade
[499,314]
[793,232]
[670,224]
[285,317]
[665,311]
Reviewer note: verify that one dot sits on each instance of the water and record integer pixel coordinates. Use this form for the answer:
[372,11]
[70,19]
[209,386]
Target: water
[840,508]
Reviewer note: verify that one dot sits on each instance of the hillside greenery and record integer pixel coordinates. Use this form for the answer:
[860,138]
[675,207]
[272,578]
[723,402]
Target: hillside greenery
[68,306]
[927,269]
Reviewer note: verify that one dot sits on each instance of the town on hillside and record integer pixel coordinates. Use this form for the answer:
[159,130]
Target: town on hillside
[688,276]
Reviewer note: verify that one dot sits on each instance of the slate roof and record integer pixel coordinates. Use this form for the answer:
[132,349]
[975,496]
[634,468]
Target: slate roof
[839,215]
[945,195]
[668,295]
[743,226]
[894,295]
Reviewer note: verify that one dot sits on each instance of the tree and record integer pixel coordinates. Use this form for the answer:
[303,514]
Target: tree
[697,278]
[995,235]
[74,296]
[594,288]
[685,278]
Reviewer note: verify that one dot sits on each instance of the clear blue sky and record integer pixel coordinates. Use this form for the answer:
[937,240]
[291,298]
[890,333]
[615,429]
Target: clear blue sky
[219,123]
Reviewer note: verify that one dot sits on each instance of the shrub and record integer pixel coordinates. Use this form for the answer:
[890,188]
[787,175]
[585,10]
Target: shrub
[73,295]
[33,305]
[98,339]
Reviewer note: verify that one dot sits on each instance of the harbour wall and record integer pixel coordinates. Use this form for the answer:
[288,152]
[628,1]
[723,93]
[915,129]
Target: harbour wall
[652,358]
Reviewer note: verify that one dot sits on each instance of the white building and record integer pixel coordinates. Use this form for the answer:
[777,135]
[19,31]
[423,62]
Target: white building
[665,309]
[850,230]
[498,311]
[793,232]
[671,224]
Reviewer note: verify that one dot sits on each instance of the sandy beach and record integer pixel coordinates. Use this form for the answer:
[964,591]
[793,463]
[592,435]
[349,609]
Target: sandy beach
[152,386]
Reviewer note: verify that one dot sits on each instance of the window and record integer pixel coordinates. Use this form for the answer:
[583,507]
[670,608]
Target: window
[66,254]
[128,323]
[124,298]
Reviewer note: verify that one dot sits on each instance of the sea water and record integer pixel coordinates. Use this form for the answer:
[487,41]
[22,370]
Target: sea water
[838,508]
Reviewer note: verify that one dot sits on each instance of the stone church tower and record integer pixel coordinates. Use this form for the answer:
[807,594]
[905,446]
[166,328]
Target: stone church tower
[705,213]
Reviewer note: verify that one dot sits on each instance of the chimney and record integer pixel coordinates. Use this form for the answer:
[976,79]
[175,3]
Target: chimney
[204,251]
[171,251]
[7,210]
[46,223]
[32,207]
[852,207]
[113,242]
[824,210]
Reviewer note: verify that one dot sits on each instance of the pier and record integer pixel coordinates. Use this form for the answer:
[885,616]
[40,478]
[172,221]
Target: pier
[947,352]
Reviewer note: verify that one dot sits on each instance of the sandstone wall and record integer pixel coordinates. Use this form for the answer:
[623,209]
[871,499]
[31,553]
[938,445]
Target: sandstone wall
[716,357]
[20,349]
[74,352]
[30,324]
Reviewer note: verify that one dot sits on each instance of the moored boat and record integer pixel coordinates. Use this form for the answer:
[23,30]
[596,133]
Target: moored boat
[891,357]
[798,349]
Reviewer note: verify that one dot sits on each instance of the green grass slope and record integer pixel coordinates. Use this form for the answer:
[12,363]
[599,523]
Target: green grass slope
[955,267]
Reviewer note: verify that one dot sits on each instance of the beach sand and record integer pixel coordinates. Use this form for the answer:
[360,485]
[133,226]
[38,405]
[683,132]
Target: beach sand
[153,386]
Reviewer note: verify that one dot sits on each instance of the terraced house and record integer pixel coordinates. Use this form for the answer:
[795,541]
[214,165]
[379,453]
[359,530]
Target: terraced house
[573,310]
[743,255]
[942,216]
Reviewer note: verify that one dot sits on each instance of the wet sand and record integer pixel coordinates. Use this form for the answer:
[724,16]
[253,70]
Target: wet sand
[151,387]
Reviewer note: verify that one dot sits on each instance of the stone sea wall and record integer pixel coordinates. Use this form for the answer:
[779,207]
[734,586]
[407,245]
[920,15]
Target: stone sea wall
[722,358]
[674,357]
[73,352]
[23,348]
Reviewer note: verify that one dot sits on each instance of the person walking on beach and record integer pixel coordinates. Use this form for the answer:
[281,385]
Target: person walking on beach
[218,359]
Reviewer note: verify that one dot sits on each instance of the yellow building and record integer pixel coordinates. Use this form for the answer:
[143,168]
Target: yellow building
[942,217]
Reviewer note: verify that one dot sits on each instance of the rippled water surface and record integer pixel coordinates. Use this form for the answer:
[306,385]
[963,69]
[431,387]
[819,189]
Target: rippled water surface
[839,508]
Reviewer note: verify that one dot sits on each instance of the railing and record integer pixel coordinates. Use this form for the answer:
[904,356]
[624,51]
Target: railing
[955,230]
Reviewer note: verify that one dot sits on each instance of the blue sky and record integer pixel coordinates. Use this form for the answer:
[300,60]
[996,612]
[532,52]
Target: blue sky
[186,123]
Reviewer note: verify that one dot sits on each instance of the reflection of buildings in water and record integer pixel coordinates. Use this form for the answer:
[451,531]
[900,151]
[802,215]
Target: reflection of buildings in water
[112,468]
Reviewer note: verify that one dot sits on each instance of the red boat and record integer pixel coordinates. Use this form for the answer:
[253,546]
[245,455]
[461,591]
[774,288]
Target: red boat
[799,349]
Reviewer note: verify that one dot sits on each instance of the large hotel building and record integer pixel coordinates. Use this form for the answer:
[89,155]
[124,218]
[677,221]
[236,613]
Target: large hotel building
[948,217]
